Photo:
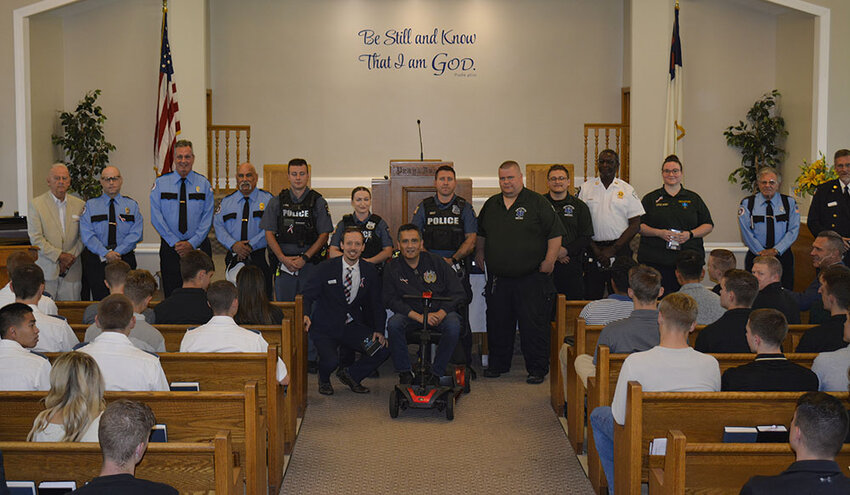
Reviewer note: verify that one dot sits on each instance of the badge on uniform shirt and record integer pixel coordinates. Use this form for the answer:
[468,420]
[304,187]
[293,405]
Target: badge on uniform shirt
[685,204]
[832,204]
[332,281]
[126,210]
[456,209]
[197,188]
[429,277]
[620,195]
[262,206]
[520,213]
[370,225]
[569,210]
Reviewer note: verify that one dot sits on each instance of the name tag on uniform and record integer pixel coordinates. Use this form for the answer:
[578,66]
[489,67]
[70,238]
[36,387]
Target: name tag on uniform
[332,282]
[832,203]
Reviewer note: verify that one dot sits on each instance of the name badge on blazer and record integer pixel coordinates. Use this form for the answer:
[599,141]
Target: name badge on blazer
[832,203]
[332,281]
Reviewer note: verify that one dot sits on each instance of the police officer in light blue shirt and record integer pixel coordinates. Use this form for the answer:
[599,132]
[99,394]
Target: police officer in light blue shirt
[110,227]
[182,213]
[770,223]
[237,223]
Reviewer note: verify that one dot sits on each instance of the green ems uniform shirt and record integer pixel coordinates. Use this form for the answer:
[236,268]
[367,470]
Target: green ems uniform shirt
[516,238]
[575,216]
[684,211]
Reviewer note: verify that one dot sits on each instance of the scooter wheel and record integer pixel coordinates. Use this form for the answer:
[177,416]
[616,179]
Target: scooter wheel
[450,407]
[394,403]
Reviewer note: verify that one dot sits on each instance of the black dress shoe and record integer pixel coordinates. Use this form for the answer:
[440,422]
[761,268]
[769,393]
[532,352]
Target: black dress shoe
[346,379]
[326,389]
[405,378]
[534,379]
[491,373]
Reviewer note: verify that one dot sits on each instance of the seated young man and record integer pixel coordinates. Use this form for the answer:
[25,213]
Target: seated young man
[617,305]
[768,271]
[729,334]
[689,273]
[343,294]
[55,335]
[832,367]
[671,366]
[222,334]
[115,275]
[13,261]
[21,369]
[188,304]
[720,261]
[139,287]
[835,293]
[123,365]
[817,434]
[770,371]
[123,433]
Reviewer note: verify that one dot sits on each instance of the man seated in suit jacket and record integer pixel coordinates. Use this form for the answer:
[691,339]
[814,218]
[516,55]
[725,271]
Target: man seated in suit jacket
[343,294]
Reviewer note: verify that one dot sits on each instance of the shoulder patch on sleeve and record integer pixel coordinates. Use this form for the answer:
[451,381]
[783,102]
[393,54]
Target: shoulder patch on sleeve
[741,211]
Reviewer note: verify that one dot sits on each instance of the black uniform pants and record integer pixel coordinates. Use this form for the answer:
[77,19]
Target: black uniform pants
[93,272]
[598,279]
[350,339]
[568,278]
[787,261]
[526,301]
[169,265]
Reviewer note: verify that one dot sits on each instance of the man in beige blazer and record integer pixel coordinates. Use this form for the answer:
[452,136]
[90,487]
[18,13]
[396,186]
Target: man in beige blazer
[53,224]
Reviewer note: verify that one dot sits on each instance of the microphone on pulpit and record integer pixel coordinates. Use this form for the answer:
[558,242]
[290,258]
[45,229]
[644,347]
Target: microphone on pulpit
[421,153]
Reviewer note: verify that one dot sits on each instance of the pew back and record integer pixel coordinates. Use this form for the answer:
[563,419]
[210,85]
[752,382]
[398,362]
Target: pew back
[566,314]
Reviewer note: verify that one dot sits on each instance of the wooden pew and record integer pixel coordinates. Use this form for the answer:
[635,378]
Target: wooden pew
[719,468]
[699,415]
[294,312]
[73,311]
[201,467]
[566,313]
[190,417]
[600,391]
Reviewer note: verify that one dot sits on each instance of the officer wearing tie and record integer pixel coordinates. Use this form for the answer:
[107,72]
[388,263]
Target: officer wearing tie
[830,208]
[770,223]
[111,225]
[237,223]
[182,213]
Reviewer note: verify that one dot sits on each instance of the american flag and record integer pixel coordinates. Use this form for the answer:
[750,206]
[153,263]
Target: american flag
[167,121]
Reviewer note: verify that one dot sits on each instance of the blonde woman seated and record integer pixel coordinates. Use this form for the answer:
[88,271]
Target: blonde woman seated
[74,403]
[379,243]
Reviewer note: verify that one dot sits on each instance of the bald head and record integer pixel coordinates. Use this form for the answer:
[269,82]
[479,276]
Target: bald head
[246,178]
[59,180]
[110,179]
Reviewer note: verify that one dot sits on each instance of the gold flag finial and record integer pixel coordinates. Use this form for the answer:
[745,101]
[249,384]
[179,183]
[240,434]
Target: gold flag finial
[165,5]
[677,4]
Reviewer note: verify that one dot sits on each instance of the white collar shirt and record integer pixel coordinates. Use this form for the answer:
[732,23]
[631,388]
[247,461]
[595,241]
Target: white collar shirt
[125,367]
[610,208]
[54,334]
[222,334]
[60,206]
[45,304]
[20,369]
[143,335]
[355,277]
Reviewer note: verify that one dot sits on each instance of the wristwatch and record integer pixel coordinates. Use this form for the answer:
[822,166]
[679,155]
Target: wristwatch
[305,257]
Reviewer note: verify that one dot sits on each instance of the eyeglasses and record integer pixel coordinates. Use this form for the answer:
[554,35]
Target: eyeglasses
[558,179]
[767,182]
[674,171]
[111,179]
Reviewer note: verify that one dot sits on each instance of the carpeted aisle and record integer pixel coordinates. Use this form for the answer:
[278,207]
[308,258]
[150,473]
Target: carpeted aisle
[504,439]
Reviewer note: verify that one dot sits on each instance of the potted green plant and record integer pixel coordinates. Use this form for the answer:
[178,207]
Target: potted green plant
[84,145]
[759,140]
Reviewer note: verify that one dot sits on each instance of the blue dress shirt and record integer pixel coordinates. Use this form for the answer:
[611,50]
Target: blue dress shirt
[755,234]
[165,208]
[228,219]
[94,225]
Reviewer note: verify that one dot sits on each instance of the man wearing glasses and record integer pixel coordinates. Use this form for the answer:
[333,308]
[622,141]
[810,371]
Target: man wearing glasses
[615,210]
[770,223]
[575,216]
[110,227]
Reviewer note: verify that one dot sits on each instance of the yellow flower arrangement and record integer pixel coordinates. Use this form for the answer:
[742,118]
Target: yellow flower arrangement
[812,175]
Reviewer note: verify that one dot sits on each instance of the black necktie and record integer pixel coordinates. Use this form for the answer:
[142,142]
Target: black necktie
[182,222]
[847,193]
[110,240]
[246,212]
[771,228]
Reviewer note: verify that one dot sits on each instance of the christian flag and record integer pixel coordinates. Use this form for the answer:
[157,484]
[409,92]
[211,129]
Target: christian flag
[673,130]
[167,121]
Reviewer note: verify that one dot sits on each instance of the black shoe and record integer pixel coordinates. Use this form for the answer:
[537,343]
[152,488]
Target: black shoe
[346,379]
[326,389]
[375,374]
[472,374]
[405,378]
[490,373]
[534,379]
[312,367]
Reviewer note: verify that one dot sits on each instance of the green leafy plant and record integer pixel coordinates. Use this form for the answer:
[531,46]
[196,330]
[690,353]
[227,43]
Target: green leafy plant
[759,140]
[84,145]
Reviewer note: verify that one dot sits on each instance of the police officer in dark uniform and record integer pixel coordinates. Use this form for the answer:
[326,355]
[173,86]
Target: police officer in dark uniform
[110,227]
[181,212]
[519,237]
[237,224]
[376,232]
[297,224]
[449,229]
[830,209]
[578,227]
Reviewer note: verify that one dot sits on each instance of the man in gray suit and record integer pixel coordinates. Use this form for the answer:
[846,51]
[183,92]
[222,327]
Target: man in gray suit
[53,223]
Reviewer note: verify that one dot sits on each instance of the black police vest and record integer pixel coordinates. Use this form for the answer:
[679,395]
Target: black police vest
[443,228]
[370,233]
[295,221]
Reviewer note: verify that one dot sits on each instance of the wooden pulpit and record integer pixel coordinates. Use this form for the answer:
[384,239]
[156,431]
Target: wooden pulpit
[276,177]
[536,177]
[409,182]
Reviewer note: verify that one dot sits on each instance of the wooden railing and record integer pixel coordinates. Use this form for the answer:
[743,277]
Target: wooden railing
[613,136]
[222,178]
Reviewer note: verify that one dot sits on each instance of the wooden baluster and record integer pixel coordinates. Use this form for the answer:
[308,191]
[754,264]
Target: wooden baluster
[248,144]
[595,147]
[215,172]
[226,158]
[585,153]
[238,156]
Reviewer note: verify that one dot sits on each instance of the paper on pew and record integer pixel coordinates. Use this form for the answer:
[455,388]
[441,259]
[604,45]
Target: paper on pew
[658,446]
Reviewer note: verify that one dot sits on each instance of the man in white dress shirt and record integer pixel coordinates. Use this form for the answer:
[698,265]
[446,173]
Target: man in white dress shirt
[21,369]
[55,335]
[124,366]
[139,286]
[222,334]
[16,259]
